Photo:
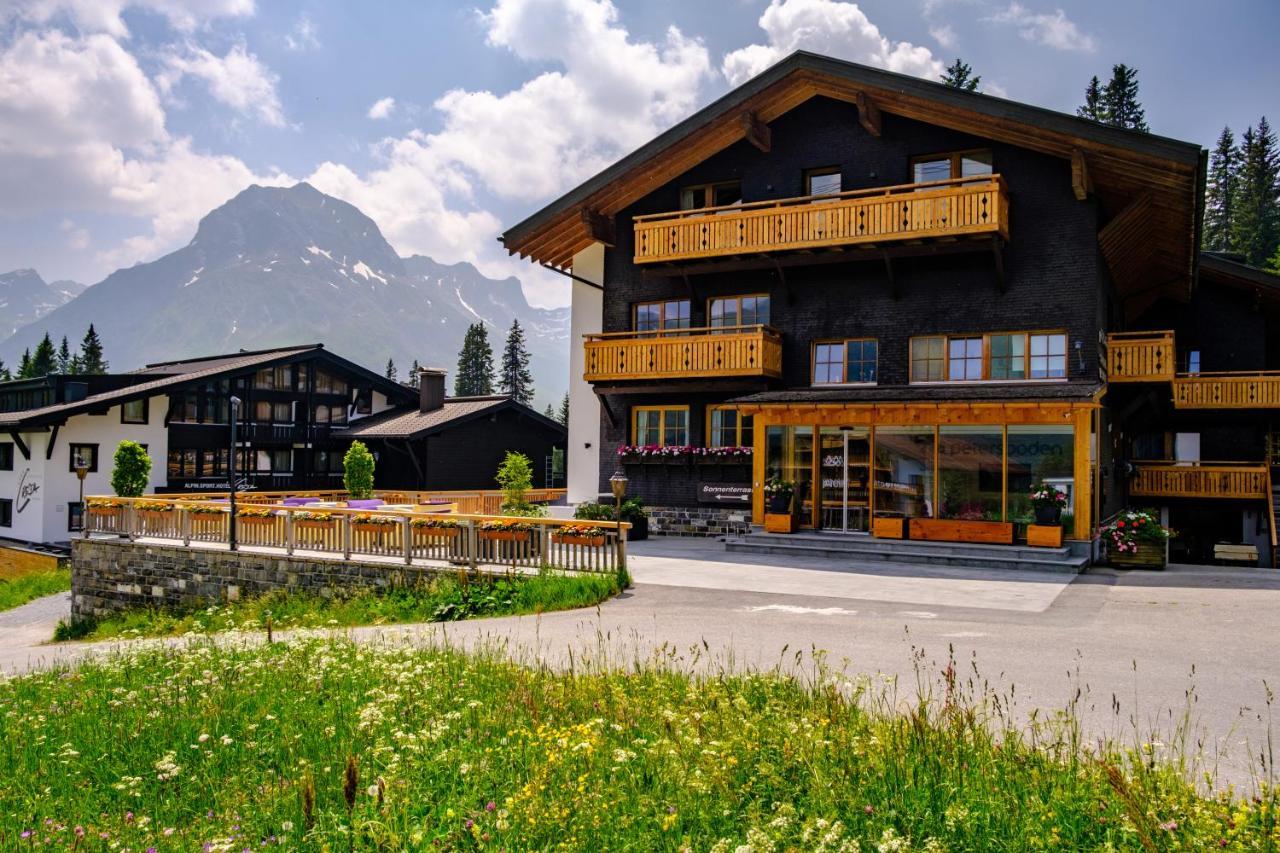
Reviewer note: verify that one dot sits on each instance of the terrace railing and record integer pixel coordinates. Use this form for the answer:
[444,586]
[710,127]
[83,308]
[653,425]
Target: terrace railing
[1235,480]
[1234,390]
[717,351]
[408,536]
[1140,357]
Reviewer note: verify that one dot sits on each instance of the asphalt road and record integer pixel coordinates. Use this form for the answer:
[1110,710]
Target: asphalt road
[1139,652]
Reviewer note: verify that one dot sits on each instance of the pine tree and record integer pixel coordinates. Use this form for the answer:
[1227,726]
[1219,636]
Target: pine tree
[475,364]
[960,76]
[24,366]
[45,360]
[1220,195]
[64,357]
[516,381]
[1120,99]
[391,369]
[1256,219]
[1273,265]
[91,360]
[564,410]
[4,372]
[549,412]
[414,379]
[1093,106]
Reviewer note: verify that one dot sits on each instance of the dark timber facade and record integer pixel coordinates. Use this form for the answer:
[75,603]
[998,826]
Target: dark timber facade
[912,302]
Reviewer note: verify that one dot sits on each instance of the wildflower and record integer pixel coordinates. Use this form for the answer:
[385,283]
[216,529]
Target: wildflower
[287,826]
[372,790]
[1169,825]
[490,806]
[203,738]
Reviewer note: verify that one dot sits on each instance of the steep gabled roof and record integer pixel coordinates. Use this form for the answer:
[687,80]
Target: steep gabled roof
[1150,186]
[455,412]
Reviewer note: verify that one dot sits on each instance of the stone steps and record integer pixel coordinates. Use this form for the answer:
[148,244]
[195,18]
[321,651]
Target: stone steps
[865,549]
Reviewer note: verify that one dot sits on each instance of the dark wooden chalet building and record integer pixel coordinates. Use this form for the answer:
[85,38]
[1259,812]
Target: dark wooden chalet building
[912,302]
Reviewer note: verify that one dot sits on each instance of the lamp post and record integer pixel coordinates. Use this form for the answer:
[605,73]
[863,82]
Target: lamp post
[231,473]
[618,484]
[82,471]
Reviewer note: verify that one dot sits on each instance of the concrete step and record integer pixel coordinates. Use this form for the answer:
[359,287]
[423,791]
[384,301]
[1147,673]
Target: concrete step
[867,549]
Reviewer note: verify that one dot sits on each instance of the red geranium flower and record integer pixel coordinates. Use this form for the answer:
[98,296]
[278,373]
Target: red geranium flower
[1119,524]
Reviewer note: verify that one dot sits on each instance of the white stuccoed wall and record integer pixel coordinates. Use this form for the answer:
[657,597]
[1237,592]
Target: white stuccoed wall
[583,456]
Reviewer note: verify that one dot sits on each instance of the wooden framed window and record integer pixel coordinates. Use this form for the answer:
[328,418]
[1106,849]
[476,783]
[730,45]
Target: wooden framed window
[661,426]
[87,452]
[75,516]
[928,359]
[951,165]
[718,194]
[133,412]
[182,463]
[1001,357]
[1049,356]
[655,316]
[6,512]
[964,359]
[845,362]
[738,310]
[1008,356]
[6,455]
[823,181]
[727,427]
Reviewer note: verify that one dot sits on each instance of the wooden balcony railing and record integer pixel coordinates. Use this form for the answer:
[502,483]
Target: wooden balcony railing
[1260,390]
[1140,357]
[977,205]
[1238,480]
[684,353]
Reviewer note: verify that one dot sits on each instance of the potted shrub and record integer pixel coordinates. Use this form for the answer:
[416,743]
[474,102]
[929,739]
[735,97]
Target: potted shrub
[357,471]
[580,534]
[515,478]
[779,498]
[504,530]
[435,528]
[1049,502]
[1136,539]
[632,512]
[131,468]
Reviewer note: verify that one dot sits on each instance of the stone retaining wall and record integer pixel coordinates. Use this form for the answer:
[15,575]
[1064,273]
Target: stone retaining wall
[698,521]
[110,575]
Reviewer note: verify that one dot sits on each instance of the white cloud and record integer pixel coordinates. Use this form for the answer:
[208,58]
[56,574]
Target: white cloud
[303,35]
[105,16]
[944,35]
[1054,29]
[829,27]
[237,79]
[382,108]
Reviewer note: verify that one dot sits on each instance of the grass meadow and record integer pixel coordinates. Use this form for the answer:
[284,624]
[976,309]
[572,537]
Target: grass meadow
[14,592]
[321,744]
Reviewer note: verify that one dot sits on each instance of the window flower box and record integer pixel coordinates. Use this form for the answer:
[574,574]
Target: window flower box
[366,523]
[106,508]
[505,531]
[580,534]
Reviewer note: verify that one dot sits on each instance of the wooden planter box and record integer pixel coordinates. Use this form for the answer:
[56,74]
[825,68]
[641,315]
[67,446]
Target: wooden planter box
[889,528]
[780,523]
[593,541]
[255,520]
[1044,535]
[505,535]
[113,511]
[314,525]
[365,527]
[436,532]
[957,530]
[1150,555]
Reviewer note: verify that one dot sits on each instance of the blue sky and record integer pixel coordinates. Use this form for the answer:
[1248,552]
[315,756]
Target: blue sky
[123,121]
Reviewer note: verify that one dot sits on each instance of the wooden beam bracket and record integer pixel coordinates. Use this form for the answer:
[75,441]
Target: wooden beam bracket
[868,114]
[22,445]
[53,439]
[609,414]
[893,279]
[997,256]
[1081,183]
[757,132]
[600,227]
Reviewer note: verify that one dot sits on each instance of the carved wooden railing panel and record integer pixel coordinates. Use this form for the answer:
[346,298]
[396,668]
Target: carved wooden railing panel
[967,206]
[684,353]
[1140,357]
[1259,390]
[1237,480]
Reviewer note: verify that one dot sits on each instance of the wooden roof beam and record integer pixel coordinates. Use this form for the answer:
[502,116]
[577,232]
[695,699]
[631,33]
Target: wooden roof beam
[868,114]
[757,132]
[600,228]
[1081,183]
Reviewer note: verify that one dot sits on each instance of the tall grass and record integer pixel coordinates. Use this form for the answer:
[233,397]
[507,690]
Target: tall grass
[323,744]
[442,599]
[18,591]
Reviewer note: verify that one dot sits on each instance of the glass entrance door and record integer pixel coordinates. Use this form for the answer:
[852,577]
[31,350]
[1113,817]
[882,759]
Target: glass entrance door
[844,469]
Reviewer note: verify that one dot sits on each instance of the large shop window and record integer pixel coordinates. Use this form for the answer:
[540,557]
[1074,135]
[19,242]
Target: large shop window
[662,426]
[971,472]
[738,311]
[726,427]
[1040,454]
[656,316]
[904,471]
[844,362]
[1015,356]
[789,455]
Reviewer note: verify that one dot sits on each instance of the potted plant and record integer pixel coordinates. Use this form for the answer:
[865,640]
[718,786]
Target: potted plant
[435,528]
[309,520]
[505,530]
[369,523]
[131,469]
[580,534]
[632,511]
[722,455]
[1049,502]
[205,518]
[778,494]
[357,471]
[106,507]
[255,515]
[1136,539]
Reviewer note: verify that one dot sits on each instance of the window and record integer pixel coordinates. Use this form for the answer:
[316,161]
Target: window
[87,452]
[1016,356]
[964,359]
[282,413]
[928,359]
[654,316]
[6,455]
[213,462]
[943,167]
[75,516]
[664,426]
[182,464]
[1048,356]
[844,362]
[1189,361]
[274,378]
[327,383]
[711,195]
[262,412]
[727,428]
[281,461]
[825,181]
[134,412]
[328,462]
[185,408]
[738,311]
[6,512]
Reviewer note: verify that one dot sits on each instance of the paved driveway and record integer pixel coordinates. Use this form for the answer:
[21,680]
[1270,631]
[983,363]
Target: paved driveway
[1134,644]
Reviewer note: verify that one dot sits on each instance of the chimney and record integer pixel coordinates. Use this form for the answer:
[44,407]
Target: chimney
[430,388]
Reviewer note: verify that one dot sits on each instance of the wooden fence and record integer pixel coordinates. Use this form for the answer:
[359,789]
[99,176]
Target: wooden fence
[462,539]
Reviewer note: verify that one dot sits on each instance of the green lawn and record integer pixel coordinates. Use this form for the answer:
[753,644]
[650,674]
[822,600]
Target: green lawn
[443,599]
[20,590]
[320,744]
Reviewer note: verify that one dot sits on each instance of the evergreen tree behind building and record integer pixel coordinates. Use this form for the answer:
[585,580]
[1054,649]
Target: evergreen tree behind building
[1256,211]
[65,361]
[391,369]
[91,360]
[475,364]
[45,359]
[1220,193]
[1093,107]
[24,366]
[564,410]
[415,379]
[960,76]
[1120,100]
[516,381]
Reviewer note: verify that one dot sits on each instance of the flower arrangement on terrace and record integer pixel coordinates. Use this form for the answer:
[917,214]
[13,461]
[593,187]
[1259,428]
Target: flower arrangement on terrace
[435,523]
[1131,528]
[656,451]
[205,509]
[311,515]
[721,453]
[370,518]
[254,512]
[153,506]
[591,530]
[500,525]
[105,503]
[777,487]
[1045,496]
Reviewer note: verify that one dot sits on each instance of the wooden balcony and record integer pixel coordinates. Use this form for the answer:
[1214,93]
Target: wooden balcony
[1238,480]
[974,206]
[684,354]
[1140,357]
[1260,390]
